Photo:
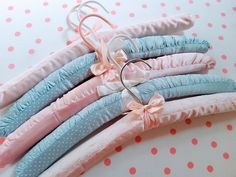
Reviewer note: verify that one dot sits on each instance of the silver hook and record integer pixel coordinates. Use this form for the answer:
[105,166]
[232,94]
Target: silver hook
[109,45]
[68,20]
[122,82]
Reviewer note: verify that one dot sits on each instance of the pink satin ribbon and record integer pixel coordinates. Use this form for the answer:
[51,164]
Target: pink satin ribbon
[104,66]
[109,73]
[148,113]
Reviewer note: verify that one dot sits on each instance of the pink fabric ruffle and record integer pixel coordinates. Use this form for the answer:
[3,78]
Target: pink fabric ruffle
[101,145]
[39,125]
[16,87]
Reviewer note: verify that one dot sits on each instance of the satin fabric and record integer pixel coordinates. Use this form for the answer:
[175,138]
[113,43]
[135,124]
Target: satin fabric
[103,144]
[72,131]
[15,88]
[39,125]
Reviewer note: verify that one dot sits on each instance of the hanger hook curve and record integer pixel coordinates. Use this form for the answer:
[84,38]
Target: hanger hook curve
[122,81]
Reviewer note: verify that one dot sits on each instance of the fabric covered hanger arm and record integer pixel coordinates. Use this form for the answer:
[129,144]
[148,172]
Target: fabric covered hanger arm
[96,114]
[103,144]
[75,72]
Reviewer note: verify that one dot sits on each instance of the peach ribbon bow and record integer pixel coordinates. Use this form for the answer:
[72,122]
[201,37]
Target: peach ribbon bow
[110,74]
[104,66]
[148,113]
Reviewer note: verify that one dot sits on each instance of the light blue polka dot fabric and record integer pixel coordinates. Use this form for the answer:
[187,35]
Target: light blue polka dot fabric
[53,146]
[67,77]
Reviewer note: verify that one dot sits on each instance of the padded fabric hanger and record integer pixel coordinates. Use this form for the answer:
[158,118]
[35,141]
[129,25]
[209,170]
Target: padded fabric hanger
[103,144]
[15,88]
[75,72]
[81,96]
[53,146]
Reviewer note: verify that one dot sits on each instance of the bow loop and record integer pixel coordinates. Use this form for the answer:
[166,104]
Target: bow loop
[120,56]
[104,66]
[148,113]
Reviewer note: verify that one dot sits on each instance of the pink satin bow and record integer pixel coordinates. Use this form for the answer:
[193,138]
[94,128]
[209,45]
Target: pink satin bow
[104,66]
[148,113]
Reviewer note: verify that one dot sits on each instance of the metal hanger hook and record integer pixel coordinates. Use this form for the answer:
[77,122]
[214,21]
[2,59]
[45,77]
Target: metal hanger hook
[122,81]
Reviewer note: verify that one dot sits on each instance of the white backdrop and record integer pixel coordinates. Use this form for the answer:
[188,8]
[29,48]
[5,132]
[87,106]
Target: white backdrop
[30,30]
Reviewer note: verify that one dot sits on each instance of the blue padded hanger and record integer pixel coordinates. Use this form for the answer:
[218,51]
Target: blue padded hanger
[75,72]
[53,146]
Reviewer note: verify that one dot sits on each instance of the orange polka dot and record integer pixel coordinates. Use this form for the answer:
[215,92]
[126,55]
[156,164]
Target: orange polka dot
[10,49]
[28,25]
[27,11]
[172,150]
[190,165]
[38,41]
[138,139]
[224,26]
[226,155]
[118,149]
[213,144]
[131,14]
[8,20]
[154,151]
[59,29]
[194,141]
[188,121]
[190,1]
[10,8]
[223,14]
[144,6]
[163,4]
[209,25]
[167,171]
[207,4]
[118,3]
[210,168]
[31,51]
[17,33]
[107,162]
[172,131]
[221,38]
[164,15]
[45,4]
[208,124]
[113,12]
[229,127]
[132,170]
[47,20]
[11,66]
[223,57]
[225,70]
[178,8]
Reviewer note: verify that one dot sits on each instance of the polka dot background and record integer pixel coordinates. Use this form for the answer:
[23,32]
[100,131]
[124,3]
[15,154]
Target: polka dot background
[30,30]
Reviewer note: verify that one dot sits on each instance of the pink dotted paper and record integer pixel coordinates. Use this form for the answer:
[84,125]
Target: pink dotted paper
[30,30]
